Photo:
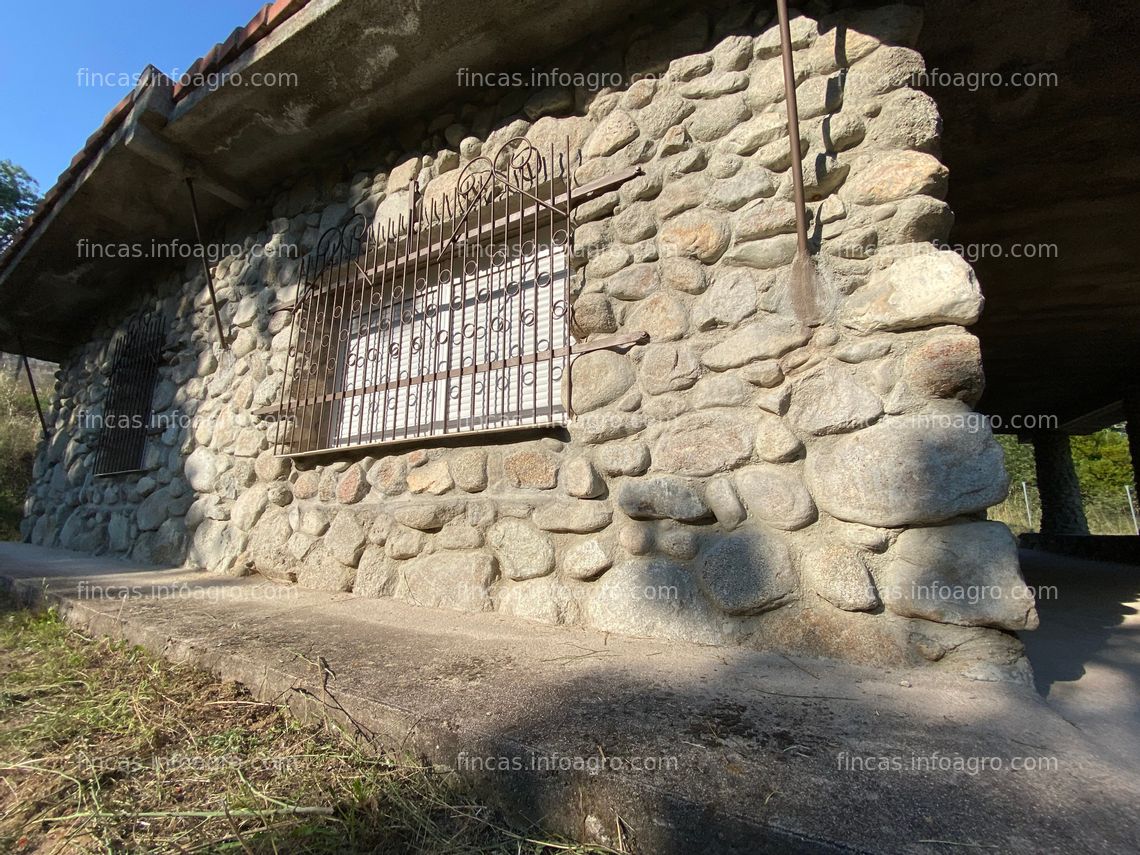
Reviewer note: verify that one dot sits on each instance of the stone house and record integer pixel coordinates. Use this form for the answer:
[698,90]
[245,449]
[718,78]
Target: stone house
[524,326]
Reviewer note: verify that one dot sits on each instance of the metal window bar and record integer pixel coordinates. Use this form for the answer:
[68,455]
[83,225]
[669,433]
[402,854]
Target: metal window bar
[127,408]
[452,321]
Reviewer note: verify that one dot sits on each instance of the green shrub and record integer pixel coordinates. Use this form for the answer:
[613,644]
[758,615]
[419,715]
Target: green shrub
[19,432]
[1103,467]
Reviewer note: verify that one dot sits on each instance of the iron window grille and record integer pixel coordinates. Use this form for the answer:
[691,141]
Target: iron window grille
[453,320]
[127,408]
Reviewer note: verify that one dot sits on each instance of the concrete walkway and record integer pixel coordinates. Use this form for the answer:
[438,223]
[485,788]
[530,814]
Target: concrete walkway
[695,749]
[1086,654]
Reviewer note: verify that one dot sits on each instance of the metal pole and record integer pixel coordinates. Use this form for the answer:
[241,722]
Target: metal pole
[205,265]
[1132,508]
[802,285]
[793,125]
[1028,513]
[35,395]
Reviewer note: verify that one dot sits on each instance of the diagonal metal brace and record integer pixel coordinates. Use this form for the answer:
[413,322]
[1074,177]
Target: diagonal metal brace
[206,264]
[32,386]
[609,342]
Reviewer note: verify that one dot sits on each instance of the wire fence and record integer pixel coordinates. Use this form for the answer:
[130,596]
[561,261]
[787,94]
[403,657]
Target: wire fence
[1021,511]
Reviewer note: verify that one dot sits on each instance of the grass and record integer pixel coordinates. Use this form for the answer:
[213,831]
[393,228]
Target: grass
[104,748]
[1101,520]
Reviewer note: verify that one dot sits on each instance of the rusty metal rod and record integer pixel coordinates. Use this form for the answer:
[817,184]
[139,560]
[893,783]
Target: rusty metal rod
[205,264]
[793,125]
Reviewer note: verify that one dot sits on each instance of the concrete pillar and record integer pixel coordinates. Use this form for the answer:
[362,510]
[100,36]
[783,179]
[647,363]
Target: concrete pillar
[1062,511]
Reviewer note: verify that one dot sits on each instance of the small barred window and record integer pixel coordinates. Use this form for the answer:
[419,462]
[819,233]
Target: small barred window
[126,412]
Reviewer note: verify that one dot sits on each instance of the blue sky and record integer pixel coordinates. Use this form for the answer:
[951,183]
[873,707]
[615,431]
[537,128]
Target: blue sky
[46,111]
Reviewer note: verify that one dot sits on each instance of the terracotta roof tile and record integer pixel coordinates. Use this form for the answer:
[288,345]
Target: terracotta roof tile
[279,10]
[254,29]
[229,48]
[264,21]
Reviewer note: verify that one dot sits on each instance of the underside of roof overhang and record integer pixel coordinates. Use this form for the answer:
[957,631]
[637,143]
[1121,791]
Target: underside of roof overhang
[1045,187]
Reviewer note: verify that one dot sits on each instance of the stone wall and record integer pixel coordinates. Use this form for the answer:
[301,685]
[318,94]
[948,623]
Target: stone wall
[742,479]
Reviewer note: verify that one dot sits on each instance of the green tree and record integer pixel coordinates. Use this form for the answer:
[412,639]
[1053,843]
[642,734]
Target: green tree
[1104,468]
[1019,461]
[19,195]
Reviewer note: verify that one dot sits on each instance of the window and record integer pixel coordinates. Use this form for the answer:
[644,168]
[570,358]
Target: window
[501,327]
[126,409]
[453,323]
